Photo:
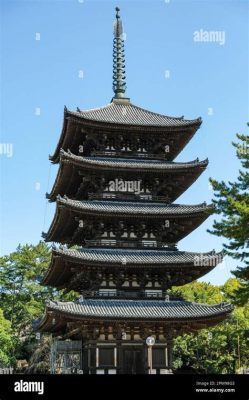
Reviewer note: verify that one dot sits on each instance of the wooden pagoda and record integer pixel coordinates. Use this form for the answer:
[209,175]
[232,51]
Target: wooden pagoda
[114,193]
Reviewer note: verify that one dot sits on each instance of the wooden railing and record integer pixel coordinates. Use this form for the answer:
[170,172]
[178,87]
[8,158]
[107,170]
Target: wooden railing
[142,294]
[129,154]
[129,244]
[126,196]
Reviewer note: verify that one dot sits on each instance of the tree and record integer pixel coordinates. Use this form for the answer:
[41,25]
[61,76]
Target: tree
[200,292]
[221,349]
[6,342]
[22,298]
[231,202]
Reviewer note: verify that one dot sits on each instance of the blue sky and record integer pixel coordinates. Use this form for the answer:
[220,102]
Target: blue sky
[167,72]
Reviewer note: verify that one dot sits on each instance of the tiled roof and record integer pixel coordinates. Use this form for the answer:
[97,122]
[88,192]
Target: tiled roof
[120,112]
[130,163]
[137,256]
[139,309]
[132,208]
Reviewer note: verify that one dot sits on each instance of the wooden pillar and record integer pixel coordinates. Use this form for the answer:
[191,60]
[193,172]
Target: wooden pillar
[166,356]
[115,356]
[97,357]
[150,361]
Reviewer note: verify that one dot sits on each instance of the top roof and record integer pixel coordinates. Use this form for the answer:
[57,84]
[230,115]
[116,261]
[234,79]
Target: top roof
[123,112]
[120,113]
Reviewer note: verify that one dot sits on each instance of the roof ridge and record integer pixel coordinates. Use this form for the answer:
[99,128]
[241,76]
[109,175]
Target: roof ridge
[92,109]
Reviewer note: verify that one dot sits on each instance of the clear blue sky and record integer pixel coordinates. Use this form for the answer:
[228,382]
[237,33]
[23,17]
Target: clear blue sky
[206,79]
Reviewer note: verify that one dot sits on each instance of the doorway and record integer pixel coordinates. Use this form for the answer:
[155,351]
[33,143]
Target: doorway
[133,361]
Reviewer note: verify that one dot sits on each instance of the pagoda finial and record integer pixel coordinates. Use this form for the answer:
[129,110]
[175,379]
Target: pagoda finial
[119,84]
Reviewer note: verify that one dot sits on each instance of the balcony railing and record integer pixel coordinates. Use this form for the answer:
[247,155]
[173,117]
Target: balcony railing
[126,196]
[138,294]
[129,244]
[129,154]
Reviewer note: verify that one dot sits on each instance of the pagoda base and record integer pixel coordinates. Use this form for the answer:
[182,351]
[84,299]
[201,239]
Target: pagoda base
[110,336]
[110,357]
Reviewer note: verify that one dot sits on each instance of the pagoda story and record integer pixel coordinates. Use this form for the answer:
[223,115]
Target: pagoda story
[118,229]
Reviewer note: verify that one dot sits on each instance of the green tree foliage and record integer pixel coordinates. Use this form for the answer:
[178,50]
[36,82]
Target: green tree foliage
[21,295]
[22,298]
[231,202]
[199,292]
[6,342]
[221,349]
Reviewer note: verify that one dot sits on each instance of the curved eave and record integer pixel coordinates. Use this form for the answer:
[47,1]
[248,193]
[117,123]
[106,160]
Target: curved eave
[180,312]
[64,223]
[70,163]
[64,262]
[124,164]
[76,118]
[55,157]
[134,257]
[132,209]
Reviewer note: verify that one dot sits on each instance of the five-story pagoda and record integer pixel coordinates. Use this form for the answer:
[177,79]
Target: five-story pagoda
[114,193]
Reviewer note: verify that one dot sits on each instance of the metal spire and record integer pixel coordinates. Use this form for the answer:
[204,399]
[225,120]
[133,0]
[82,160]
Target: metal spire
[119,84]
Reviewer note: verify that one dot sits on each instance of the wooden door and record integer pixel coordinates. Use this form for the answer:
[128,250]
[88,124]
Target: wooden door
[133,361]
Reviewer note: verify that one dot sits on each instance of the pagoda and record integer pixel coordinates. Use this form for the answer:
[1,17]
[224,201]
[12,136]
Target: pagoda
[118,227]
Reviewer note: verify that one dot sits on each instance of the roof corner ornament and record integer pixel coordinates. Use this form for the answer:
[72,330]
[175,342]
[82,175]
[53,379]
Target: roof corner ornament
[119,84]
